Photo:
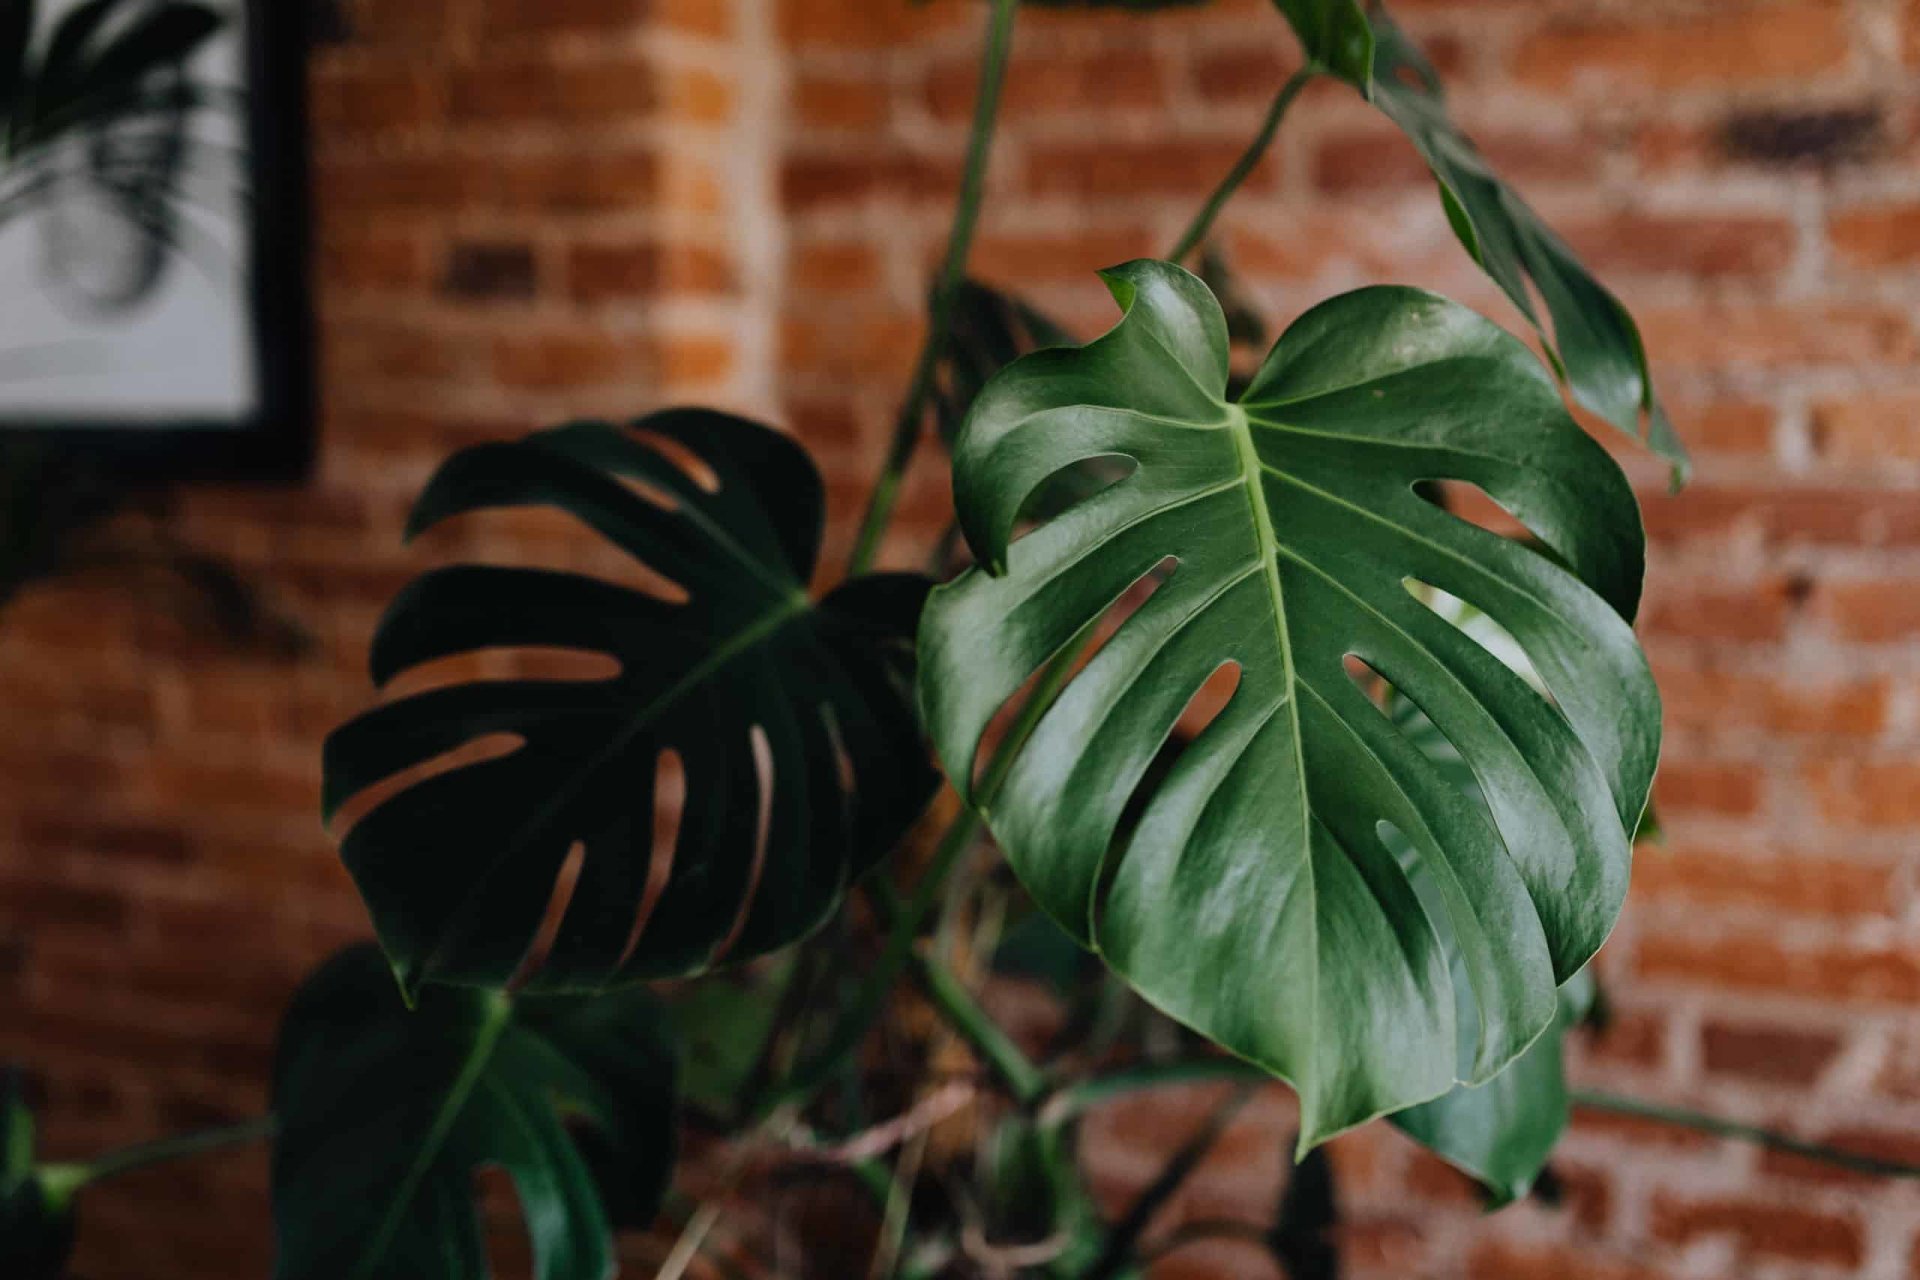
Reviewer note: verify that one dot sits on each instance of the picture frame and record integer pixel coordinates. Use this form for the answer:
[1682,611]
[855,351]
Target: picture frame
[240,400]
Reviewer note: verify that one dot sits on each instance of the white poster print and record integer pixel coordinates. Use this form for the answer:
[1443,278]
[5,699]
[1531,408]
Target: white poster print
[124,281]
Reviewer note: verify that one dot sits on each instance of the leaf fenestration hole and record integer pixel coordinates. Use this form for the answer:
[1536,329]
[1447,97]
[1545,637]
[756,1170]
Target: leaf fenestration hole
[763,824]
[669,805]
[1206,705]
[843,770]
[648,492]
[1091,640]
[489,746]
[507,662]
[679,455]
[1073,485]
[1467,501]
[564,883]
[1482,630]
[1209,700]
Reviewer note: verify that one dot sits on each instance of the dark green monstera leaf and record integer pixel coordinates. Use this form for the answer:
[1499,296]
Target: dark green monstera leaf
[386,1115]
[1253,898]
[792,720]
[1336,35]
[1591,336]
[36,1219]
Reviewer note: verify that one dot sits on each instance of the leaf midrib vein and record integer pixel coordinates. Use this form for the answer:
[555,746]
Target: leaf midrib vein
[472,1071]
[1238,426]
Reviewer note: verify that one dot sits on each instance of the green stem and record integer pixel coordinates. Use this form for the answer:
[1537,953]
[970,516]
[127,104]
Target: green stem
[908,427]
[813,1074]
[62,1181]
[1767,1138]
[1243,169]
[963,1013]
[1084,1095]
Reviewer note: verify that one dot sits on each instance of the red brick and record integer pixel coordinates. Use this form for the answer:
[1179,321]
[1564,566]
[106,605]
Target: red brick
[1098,80]
[1696,246]
[1748,962]
[1686,786]
[1866,793]
[1746,45]
[1787,515]
[1759,611]
[604,17]
[1868,429]
[1634,1038]
[1715,335]
[1877,235]
[1771,1055]
[840,102]
[1717,703]
[1873,611]
[1130,170]
[1762,1230]
[1790,884]
[1501,1260]
[351,101]
[633,270]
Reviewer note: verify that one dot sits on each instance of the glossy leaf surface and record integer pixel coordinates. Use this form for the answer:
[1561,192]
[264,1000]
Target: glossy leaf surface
[387,1115]
[1503,1132]
[1593,339]
[1254,898]
[36,1224]
[791,718]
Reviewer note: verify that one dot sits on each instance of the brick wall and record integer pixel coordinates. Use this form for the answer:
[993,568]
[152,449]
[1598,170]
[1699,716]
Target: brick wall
[537,208]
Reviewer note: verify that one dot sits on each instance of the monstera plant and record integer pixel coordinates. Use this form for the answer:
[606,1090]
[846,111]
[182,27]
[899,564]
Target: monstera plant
[1293,773]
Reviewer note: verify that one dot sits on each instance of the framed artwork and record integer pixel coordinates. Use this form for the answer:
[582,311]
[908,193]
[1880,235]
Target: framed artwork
[153,231]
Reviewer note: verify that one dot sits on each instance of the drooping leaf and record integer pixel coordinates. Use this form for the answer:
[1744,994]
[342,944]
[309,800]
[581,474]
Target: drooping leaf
[1254,899]
[1336,35]
[749,672]
[385,1116]
[1591,336]
[36,1220]
[1303,1239]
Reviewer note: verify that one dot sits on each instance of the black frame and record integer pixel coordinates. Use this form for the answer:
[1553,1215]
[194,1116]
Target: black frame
[278,442]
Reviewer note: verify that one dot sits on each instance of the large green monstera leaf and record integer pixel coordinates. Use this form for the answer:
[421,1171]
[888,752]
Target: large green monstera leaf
[1254,898]
[386,1115]
[791,718]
